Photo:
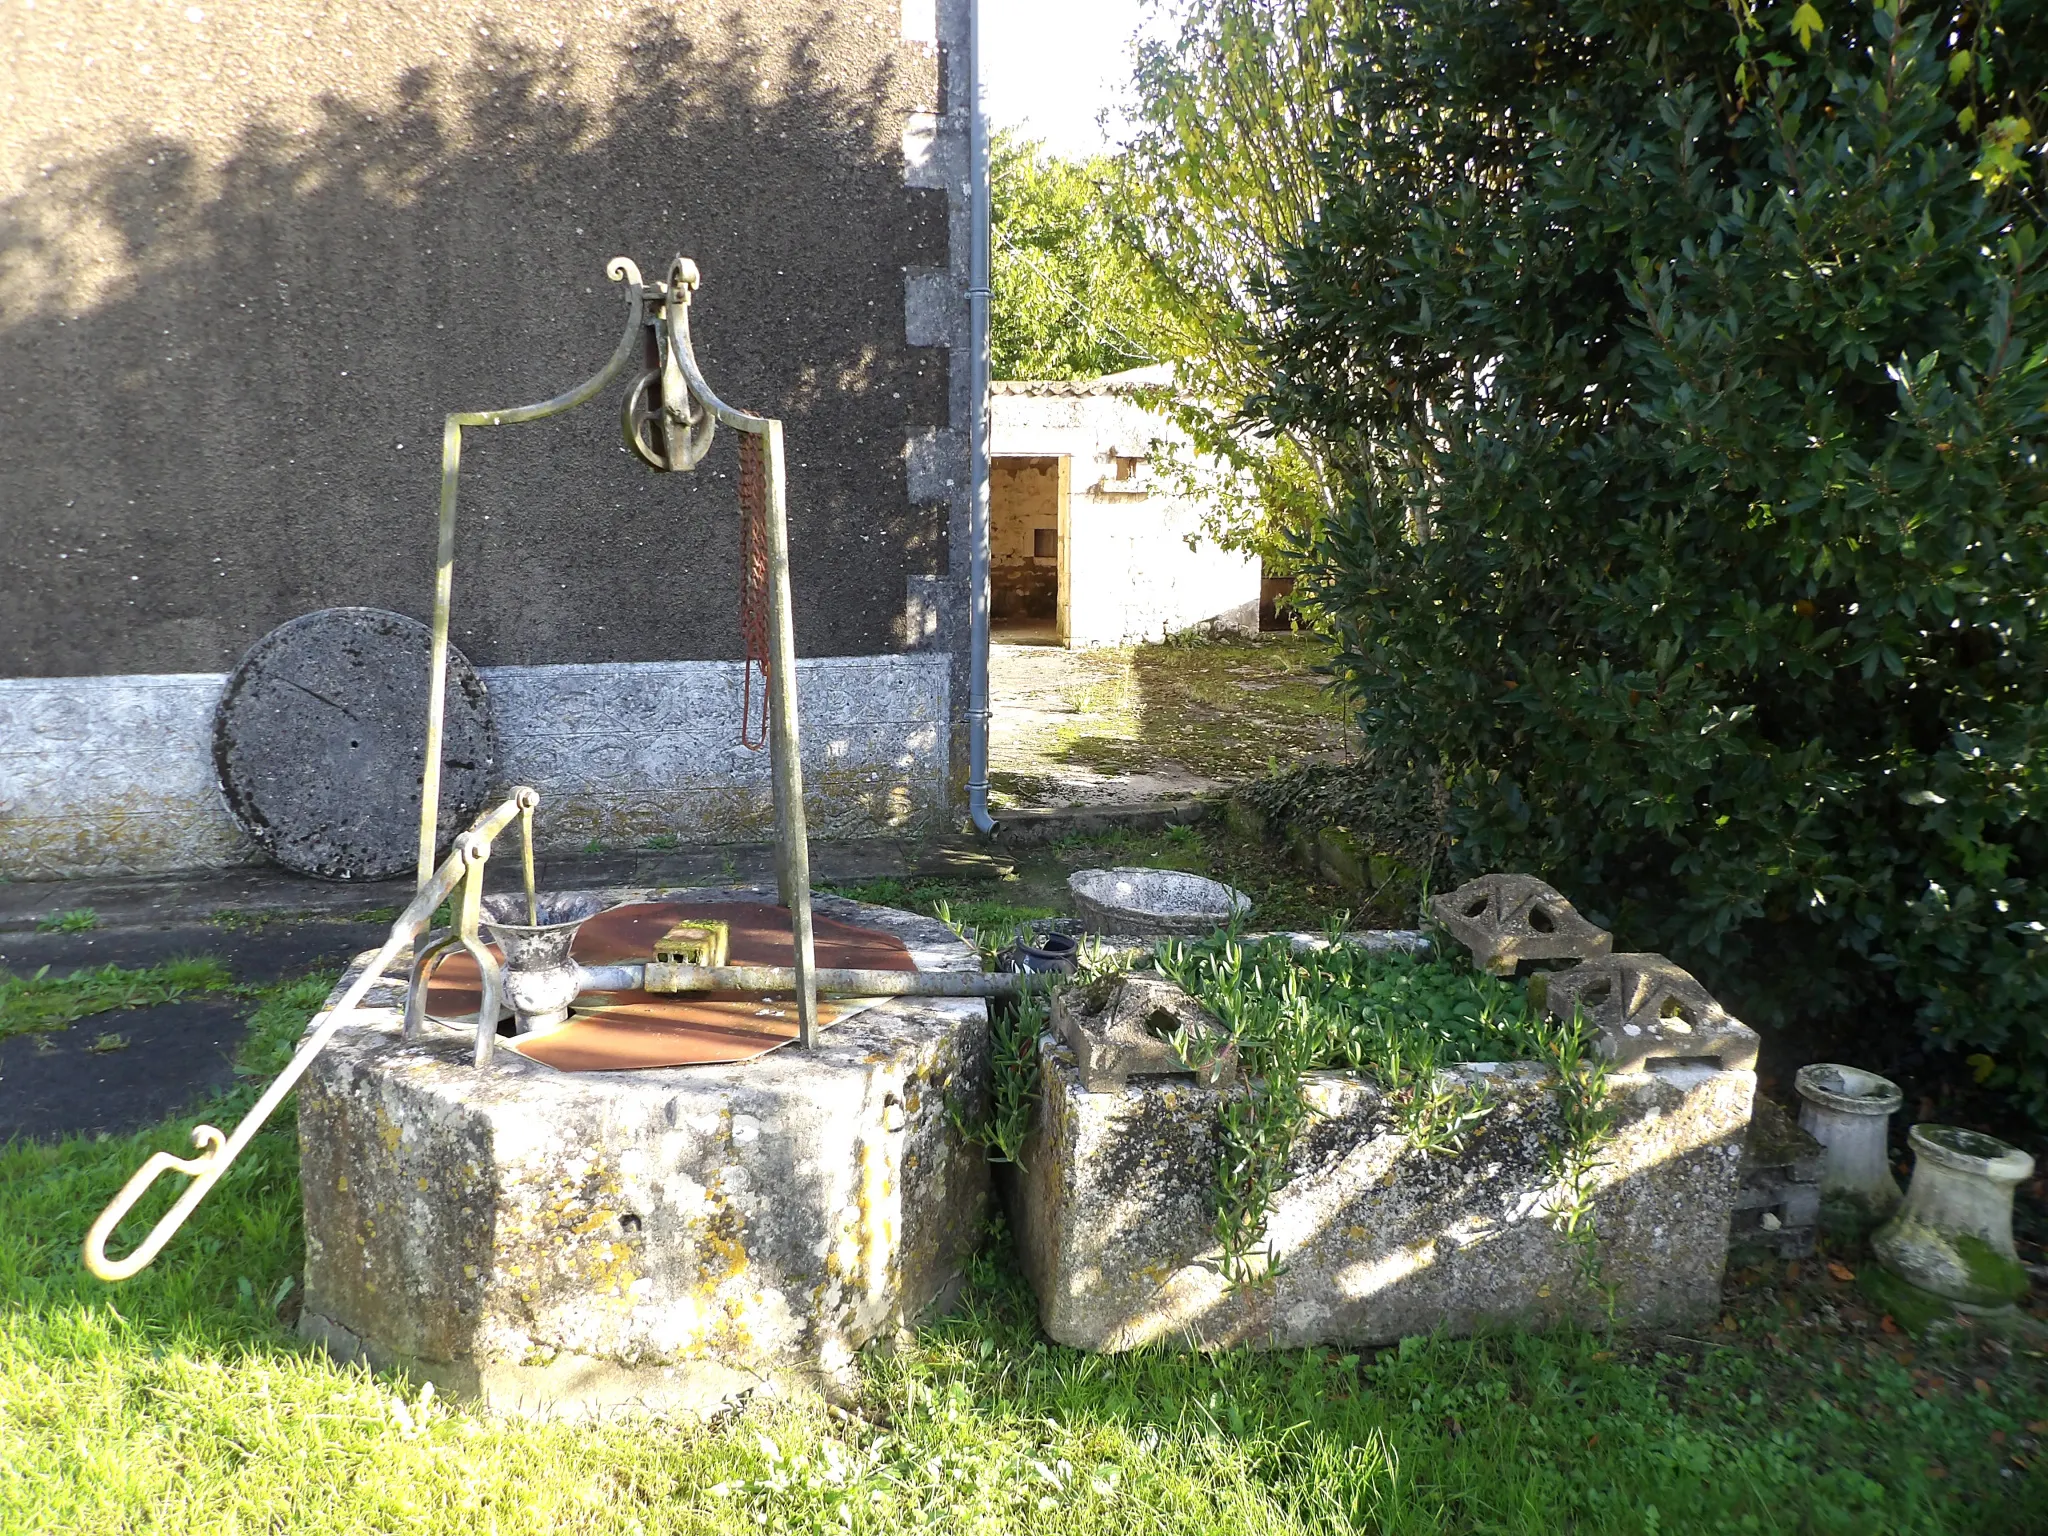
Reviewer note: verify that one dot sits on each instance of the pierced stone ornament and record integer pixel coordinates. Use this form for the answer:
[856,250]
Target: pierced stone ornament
[1648,1009]
[1128,1026]
[1506,919]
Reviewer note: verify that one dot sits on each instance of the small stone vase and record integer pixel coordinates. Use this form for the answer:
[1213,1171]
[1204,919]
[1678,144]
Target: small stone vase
[1848,1111]
[1953,1235]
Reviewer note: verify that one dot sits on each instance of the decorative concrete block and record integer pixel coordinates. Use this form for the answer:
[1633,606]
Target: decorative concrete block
[1647,1009]
[1377,1240]
[1777,1209]
[1505,919]
[1140,1025]
[568,1244]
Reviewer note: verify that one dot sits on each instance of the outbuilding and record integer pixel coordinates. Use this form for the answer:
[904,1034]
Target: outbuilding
[1093,541]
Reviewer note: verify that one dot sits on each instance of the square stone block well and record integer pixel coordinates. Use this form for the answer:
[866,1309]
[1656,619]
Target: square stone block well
[1377,1239]
[568,1244]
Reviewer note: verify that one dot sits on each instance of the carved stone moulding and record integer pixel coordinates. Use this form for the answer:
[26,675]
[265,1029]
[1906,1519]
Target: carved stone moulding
[1648,1009]
[1505,919]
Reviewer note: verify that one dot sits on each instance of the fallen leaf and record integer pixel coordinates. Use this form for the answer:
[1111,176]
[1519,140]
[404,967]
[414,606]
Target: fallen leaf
[1887,1324]
[1983,1387]
[1998,1437]
[2037,1426]
[1603,1354]
[1592,1440]
[1792,1272]
[1840,1270]
[1936,1469]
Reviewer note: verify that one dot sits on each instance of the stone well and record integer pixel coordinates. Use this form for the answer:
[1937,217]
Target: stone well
[568,1244]
[1378,1239]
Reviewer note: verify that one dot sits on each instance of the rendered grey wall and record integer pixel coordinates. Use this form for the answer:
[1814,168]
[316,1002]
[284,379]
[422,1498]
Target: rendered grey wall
[248,260]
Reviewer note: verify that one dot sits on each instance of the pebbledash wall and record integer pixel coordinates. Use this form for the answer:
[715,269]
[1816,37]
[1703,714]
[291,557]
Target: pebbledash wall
[250,254]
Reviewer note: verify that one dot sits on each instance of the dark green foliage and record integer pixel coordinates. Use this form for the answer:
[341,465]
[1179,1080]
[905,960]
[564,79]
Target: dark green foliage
[1395,812]
[1694,382]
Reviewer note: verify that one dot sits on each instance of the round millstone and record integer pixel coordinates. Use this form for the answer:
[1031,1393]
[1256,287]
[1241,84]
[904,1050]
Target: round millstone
[320,738]
[1154,901]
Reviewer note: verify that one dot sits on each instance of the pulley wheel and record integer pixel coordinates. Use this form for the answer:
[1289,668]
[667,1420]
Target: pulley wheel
[320,740]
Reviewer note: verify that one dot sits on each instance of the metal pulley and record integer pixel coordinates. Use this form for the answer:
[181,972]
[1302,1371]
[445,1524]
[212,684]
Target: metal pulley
[664,421]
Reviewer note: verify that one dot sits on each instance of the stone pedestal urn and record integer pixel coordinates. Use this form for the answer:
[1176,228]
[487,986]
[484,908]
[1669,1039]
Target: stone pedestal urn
[1848,1111]
[1952,1237]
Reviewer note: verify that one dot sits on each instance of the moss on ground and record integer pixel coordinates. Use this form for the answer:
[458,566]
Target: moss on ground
[1218,711]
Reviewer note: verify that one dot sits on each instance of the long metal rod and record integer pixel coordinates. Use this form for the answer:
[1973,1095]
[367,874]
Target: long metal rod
[217,1151]
[792,836]
[619,269]
[654,976]
[793,855]
[977,435]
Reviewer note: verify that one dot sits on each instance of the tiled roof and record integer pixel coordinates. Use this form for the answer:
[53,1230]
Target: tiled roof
[1153,376]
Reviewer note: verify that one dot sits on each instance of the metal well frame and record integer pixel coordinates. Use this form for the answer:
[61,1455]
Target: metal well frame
[669,419]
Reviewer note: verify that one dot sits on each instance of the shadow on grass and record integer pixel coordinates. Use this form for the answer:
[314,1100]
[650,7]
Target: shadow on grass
[229,1277]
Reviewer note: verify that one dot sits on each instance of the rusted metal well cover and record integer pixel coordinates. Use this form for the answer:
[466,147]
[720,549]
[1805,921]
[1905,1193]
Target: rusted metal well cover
[320,740]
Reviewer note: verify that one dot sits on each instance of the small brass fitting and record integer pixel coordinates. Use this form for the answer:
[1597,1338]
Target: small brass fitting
[693,944]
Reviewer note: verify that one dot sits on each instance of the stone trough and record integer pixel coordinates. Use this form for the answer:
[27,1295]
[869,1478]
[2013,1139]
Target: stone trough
[575,1243]
[1378,1238]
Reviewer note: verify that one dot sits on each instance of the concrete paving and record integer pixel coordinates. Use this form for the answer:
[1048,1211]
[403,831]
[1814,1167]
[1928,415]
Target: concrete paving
[116,1072]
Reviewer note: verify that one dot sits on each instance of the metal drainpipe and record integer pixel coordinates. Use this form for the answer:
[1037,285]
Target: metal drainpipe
[977,435]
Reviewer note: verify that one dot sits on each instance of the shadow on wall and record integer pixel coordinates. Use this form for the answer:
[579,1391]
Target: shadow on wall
[224,362]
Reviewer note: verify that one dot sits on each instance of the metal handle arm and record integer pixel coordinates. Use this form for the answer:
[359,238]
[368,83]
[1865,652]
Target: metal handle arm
[218,1151]
[682,281]
[838,983]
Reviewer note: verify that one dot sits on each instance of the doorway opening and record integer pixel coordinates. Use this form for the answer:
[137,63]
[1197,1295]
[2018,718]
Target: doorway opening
[1029,549]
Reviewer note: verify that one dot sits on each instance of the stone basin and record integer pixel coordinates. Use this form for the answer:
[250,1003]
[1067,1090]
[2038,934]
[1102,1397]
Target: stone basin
[1379,1239]
[1155,901]
[569,1244]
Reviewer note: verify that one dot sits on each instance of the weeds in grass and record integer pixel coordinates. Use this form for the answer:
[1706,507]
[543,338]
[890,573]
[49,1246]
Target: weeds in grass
[278,1022]
[1014,1027]
[77,920]
[991,923]
[43,1001]
[1581,1095]
[255,919]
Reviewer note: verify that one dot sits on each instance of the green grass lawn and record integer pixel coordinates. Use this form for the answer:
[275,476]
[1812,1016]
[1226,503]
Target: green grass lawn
[182,1402]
